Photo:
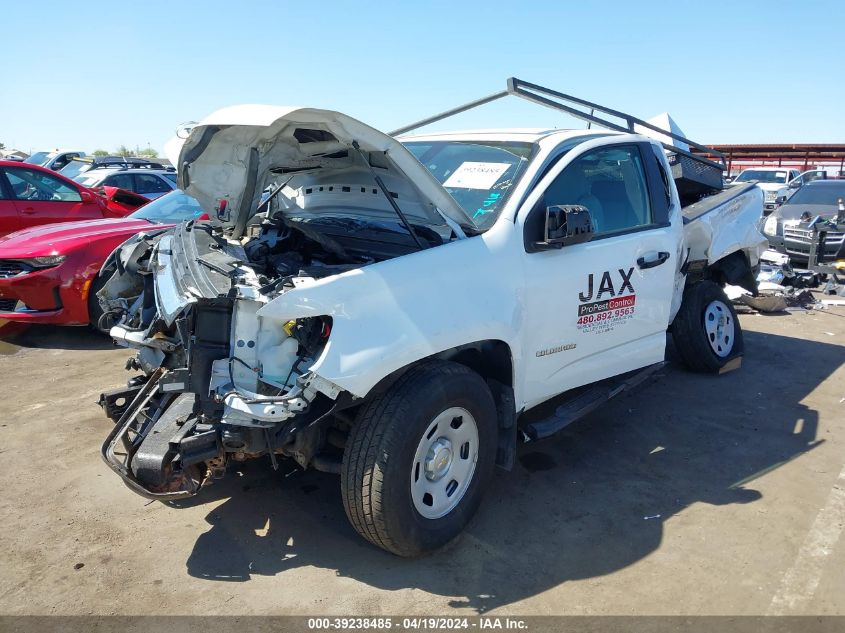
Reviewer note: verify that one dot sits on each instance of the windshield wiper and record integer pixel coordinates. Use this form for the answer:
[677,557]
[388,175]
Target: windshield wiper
[387,195]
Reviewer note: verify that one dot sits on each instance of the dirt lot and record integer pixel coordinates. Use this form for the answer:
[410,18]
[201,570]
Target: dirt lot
[694,495]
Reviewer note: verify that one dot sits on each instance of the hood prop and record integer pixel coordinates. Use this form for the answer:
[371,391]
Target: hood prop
[387,195]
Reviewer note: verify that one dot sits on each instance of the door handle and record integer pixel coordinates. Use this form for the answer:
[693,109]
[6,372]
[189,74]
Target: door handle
[28,211]
[643,263]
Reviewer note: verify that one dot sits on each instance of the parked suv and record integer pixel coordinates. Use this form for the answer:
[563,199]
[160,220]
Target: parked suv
[151,181]
[81,164]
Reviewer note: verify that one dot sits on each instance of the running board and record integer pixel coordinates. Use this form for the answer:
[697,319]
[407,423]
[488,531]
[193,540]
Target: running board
[587,402]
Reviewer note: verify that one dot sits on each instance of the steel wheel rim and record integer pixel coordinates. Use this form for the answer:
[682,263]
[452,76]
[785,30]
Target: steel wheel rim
[444,463]
[720,328]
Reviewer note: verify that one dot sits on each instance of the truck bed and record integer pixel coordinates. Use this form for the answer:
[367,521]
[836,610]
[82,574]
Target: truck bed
[708,204]
[718,225]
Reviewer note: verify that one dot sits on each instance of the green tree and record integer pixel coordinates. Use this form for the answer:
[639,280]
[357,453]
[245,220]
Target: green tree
[122,150]
[100,152]
[2,146]
[148,152]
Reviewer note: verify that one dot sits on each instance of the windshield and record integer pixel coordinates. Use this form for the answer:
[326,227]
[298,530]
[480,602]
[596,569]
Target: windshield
[820,194]
[478,174]
[88,180]
[74,168]
[762,175]
[170,208]
[38,158]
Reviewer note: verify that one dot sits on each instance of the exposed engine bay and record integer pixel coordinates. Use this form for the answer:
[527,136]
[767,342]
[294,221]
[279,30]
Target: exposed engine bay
[218,381]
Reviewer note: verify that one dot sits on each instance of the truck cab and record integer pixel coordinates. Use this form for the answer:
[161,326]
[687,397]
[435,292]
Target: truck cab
[615,298]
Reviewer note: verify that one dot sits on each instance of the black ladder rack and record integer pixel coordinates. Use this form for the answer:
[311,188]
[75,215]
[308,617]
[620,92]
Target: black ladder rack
[569,104]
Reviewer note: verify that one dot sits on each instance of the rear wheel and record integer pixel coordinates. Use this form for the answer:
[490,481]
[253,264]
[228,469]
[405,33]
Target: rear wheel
[419,458]
[706,331]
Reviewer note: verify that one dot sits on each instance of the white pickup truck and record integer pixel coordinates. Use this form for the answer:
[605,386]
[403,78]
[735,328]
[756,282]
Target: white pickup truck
[391,311]
[774,181]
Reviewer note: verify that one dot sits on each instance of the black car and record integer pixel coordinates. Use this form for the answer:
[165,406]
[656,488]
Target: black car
[789,230]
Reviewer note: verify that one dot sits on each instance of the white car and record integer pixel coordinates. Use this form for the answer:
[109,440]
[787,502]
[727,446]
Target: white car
[774,181]
[149,182]
[54,159]
[391,311]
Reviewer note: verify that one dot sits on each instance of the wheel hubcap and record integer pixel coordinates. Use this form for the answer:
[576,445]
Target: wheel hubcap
[444,463]
[719,327]
[438,459]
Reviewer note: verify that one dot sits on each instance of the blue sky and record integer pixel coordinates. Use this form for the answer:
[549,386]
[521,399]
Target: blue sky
[98,74]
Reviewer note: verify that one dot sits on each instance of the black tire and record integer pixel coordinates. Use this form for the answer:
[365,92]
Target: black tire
[379,457]
[95,312]
[690,335]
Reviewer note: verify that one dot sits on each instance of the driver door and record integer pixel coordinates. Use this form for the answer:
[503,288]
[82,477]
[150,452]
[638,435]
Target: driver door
[600,308]
[41,198]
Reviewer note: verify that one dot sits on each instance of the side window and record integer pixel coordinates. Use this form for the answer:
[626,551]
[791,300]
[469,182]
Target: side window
[611,183]
[149,183]
[28,184]
[5,189]
[171,176]
[121,181]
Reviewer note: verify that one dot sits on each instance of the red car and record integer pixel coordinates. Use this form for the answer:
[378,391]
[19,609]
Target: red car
[47,273]
[31,195]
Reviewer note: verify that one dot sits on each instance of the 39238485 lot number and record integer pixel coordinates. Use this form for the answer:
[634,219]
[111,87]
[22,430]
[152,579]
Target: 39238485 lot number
[349,624]
[384,623]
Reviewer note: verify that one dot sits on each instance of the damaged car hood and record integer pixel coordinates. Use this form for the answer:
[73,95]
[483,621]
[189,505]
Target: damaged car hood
[228,156]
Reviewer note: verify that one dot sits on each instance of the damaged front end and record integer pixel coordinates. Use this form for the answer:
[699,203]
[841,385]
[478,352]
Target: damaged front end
[219,383]
[295,196]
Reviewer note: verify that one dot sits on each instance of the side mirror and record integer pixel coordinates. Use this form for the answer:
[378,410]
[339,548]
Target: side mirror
[566,225]
[86,196]
[794,184]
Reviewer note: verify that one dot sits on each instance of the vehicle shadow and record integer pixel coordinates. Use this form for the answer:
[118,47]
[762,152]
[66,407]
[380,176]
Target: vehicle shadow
[573,507]
[17,335]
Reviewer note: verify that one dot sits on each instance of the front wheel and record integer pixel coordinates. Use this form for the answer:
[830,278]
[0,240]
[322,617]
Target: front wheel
[95,311]
[706,331]
[419,458]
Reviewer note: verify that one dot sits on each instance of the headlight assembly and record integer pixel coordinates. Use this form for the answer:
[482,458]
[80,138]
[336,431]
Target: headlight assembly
[46,261]
[771,225]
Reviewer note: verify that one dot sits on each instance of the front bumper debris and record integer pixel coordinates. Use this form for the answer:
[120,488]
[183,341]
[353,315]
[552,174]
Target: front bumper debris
[153,454]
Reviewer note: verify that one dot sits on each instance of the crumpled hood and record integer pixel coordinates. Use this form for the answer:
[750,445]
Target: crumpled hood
[228,155]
